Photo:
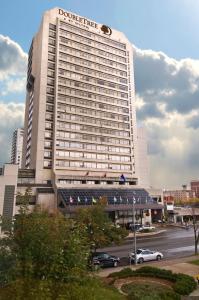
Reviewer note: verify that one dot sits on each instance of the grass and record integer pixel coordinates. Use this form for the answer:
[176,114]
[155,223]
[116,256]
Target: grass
[149,291]
[194,262]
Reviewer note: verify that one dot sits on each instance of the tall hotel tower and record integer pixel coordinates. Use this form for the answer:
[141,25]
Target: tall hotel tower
[80,124]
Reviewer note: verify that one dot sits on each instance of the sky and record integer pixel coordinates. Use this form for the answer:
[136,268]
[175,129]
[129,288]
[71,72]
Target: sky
[166,60]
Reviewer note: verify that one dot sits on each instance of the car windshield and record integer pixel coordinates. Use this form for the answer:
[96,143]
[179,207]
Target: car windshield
[139,251]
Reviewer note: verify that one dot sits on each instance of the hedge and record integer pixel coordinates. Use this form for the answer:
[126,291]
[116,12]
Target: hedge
[183,284]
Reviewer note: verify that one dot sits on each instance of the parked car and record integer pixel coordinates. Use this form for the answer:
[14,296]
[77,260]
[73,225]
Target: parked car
[146,227]
[145,255]
[135,227]
[104,259]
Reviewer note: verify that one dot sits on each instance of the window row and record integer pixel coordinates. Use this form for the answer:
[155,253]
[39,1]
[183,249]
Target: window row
[92,112]
[90,72]
[97,38]
[78,127]
[88,155]
[94,80]
[87,120]
[90,64]
[91,165]
[89,87]
[92,147]
[95,105]
[91,96]
[93,58]
[92,138]
[93,50]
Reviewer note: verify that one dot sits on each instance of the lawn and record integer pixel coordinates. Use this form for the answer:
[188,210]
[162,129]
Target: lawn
[149,291]
[194,262]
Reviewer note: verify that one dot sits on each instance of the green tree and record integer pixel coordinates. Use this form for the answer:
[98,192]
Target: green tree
[101,231]
[43,245]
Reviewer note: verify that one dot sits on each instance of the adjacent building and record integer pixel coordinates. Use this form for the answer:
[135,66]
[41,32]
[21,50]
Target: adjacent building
[180,195]
[195,187]
[17,144]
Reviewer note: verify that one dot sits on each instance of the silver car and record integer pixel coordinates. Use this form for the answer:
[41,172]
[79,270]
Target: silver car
[145,255]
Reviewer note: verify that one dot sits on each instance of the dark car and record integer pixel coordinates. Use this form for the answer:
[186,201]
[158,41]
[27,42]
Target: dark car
[103,260]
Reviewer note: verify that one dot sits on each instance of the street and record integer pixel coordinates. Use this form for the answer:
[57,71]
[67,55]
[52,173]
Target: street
[173,243]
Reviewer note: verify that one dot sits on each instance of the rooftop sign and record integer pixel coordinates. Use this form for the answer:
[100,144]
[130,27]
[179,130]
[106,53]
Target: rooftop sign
[105,29]
[78,19]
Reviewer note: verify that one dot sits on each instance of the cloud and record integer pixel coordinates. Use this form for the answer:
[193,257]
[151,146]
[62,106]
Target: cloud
[161,79]
[12,117]
[13,60]
[168,105]
[13,67]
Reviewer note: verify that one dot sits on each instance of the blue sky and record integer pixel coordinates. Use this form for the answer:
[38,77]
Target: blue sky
[169,26]
[164,34]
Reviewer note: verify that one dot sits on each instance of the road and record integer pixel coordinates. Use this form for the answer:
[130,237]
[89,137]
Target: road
[173,243]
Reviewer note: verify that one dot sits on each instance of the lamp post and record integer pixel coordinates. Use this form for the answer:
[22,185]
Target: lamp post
[135,244]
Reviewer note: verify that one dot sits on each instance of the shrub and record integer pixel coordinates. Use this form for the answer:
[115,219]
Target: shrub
[124,273]
[184,284]
[156,272]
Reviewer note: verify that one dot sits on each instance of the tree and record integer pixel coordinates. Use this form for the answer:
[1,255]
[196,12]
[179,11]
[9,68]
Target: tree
[100,230]
[44,246]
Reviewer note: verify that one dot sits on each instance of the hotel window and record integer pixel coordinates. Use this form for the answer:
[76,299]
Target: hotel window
[76,154]
[47,144]
[90,155]
[48,134]
[51,73]
[52,26]
[47,163]
[48,154]
[48,125]
[50,90]
[102,156]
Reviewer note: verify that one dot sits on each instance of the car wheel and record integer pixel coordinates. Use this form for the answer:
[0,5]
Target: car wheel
[158,257]
[140,260]
[115,264]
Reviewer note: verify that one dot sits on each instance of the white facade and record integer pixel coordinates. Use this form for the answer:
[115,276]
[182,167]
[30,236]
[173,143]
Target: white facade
[17,145]
[80,118]
[143,161]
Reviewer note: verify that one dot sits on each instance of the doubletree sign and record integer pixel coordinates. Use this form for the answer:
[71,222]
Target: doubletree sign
[105,29]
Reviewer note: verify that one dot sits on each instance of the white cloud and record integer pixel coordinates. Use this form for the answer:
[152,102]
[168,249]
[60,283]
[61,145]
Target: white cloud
[14,85]
[13,66]
[169,93]
[13,60]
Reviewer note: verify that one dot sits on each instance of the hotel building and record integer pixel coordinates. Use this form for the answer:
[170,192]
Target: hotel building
[80,134]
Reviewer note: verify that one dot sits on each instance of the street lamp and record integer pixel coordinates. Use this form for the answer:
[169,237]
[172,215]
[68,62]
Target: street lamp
[134,237]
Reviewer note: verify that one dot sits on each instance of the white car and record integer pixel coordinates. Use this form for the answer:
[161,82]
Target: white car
[145,255]
[146,227]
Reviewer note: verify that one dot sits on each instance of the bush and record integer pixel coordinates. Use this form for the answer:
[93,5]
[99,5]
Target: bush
[156,272]
[184,284]
[124,273]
